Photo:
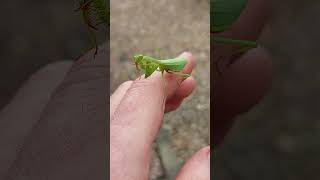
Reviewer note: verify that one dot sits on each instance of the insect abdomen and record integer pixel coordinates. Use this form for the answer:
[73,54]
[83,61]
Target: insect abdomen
[176,64]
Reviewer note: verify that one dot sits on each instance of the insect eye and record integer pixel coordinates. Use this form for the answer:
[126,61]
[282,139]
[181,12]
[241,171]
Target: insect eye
[138,57]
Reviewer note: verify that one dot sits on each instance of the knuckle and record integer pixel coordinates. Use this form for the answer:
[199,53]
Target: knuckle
[141,85]
[126,84]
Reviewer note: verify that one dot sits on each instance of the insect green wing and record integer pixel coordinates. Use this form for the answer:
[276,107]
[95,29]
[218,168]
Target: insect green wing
[149,65]
[224,13]
[176,64]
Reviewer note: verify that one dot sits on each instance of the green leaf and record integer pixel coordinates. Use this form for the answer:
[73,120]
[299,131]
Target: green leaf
[224,13]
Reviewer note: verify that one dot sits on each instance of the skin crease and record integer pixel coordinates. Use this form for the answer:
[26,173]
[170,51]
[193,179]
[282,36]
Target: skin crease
[77,110]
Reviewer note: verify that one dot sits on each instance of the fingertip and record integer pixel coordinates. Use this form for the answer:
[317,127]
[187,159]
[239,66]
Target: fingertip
[241,87]
[173,104]
[186,54]
[197,167]
[173,79]
[191,61]
[245,83]
[186,88]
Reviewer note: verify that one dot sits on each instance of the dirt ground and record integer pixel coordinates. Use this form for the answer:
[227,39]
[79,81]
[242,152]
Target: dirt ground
[144,26]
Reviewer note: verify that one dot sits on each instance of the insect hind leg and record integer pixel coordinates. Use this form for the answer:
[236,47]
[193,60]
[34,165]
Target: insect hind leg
[180,74]
[183,76]
[164,90]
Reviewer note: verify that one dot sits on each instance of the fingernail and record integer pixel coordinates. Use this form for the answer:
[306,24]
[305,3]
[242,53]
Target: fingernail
[186,54]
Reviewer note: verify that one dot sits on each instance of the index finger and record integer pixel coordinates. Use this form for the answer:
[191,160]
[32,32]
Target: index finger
[137,119]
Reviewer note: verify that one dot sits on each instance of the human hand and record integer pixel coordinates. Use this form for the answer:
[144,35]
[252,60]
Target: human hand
[247,79]
[136,113]
[55,126]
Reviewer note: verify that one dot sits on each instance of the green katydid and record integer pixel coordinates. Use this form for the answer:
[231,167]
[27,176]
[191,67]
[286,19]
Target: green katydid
[223,14]
[94,13]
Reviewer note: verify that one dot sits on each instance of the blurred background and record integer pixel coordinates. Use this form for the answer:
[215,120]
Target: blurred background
[279,138]
[164,29]
[35,33]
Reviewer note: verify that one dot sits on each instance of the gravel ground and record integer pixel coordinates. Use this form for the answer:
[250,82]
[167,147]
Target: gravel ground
[173,27]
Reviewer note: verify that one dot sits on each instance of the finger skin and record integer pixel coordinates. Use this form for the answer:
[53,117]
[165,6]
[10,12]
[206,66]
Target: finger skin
[184,90]
[242,86]
[145,99]
[244,83]
[197,167]
[136,121]
[18,118]
[117,96]
[69,140]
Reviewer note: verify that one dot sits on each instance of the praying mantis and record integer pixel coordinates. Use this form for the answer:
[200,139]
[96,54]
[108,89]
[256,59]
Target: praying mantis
[94,13]
[222,16]
[149,65]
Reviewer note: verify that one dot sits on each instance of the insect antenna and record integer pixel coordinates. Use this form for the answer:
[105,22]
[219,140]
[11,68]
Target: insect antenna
[138,70]
[158,53]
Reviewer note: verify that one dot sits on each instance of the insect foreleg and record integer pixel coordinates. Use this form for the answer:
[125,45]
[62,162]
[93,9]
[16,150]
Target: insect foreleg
[138,71]
[183,76]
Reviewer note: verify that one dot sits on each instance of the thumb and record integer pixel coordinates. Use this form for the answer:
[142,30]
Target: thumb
[197,167]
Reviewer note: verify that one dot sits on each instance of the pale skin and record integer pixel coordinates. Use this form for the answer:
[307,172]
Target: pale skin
[136,115]
[130,136]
